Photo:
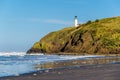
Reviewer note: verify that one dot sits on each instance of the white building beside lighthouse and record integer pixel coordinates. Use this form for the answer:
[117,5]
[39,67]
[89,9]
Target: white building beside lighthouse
[76,22]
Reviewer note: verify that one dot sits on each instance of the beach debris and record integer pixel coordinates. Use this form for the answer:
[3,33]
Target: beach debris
[16,74]
[34,74]
[59,72]
[74,62]
[84,62]
[64,64]
[38,68]
[46,71]
[56,63]
[50,68]
[40,71]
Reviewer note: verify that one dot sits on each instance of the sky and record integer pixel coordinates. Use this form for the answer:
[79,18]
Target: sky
[24,22]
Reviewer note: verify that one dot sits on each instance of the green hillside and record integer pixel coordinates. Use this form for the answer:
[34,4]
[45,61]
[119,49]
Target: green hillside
[97,37]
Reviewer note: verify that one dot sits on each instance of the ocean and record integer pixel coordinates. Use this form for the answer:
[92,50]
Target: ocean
[16,63]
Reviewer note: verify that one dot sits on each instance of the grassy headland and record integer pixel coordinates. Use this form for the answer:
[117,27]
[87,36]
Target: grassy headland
[93,37]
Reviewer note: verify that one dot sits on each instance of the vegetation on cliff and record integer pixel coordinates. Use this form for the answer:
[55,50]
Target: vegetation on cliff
[97,37]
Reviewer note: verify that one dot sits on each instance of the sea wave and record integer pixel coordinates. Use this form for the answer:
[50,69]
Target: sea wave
[35,54]
[78,57]
[11,61]
[12,53]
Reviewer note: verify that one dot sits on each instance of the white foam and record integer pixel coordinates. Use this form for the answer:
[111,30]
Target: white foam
[12,53]
[35,54]
[77,57]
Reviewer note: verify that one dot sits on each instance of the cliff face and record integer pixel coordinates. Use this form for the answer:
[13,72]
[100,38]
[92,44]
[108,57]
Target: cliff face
[101,36]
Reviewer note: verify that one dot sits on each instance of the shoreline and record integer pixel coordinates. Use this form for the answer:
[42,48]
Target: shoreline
[72,54]
[68,68]
[89,72]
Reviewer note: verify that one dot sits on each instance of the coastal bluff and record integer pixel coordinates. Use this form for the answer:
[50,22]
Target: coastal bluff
[93,37]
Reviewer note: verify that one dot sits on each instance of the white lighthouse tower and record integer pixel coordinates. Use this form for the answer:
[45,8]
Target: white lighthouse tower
[76,22]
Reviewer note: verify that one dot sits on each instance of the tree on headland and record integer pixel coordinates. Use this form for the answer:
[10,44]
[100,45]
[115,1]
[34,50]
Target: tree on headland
[97,20]
[88,22]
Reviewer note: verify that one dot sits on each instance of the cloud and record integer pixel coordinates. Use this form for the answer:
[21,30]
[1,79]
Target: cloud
[51,21]
[55,21]
[38,20]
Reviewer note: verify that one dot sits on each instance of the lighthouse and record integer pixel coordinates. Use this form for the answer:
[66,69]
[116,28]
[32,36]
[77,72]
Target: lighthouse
[76,22]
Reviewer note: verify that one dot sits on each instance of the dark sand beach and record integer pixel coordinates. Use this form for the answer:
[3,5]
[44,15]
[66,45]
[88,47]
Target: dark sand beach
[89,72]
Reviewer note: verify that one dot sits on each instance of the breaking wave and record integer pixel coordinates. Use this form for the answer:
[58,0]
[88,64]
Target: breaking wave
[12,53]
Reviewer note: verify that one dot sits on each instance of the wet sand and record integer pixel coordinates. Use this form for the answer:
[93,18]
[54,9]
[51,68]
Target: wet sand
[86,72]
